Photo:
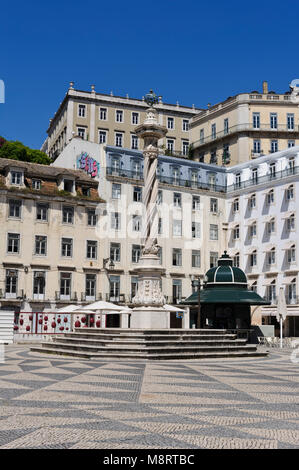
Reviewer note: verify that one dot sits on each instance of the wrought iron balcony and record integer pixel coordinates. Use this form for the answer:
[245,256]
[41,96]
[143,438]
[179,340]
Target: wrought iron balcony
[263,179]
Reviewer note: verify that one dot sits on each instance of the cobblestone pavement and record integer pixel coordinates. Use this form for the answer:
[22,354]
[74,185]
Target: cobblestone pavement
[54,402]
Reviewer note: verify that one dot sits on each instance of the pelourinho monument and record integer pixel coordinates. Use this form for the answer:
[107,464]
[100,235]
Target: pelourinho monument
[149,300]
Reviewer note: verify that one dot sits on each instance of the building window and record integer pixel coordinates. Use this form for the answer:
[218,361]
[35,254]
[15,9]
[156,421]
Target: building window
[194,178]
[236,260]
[291,222]
[213,205]
[195,230]
[136,223]
[135,118]
[118,139]
[67,247]
[254,175]
[40,245]
[116,191]
[272,168]
[115,252]
[201,136]
[36,184]
[81,110]
[290,193]
[103,114]
[137,194]
[236,205]
[236,232]
[291,143]
[213,131]
[291,254]
[274,146]
[102,137]
[170,123]
[175,176]
[11,283]
[136,169]
[91,218]
[213,158]
[271,292]
[81,132]
[238,180]
[15,207]
[115,220]
[273,120]
[177,199]
[115,166]
[185,125]
[225,126]
[271,256]
[196,203]
[119,115]
[90,286]
[226,154]
[256,146]
[271,226]
[195,258]
[16,177]
[134,286]
[170,145]
[176,290]
[134,142]
[252,201]
[290,121]
[68,185]
[67,215]
[256,120]
[253,258]
[252,230]
[176,257]
[177,228]
[91,249]
[114,288]
[213,232]
[39,284]
[185,147]
[160,197]
[213,258]
[292,295]
[13,243]
[270,197]
[160,226]
[65,285]
[136,252]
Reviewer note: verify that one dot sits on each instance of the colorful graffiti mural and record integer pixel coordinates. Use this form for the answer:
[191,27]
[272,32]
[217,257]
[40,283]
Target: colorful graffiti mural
[88,164]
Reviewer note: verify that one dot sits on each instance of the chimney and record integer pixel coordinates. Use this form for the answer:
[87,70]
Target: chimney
[265,88]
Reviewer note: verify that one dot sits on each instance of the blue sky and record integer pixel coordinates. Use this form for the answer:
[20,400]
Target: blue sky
[187,51]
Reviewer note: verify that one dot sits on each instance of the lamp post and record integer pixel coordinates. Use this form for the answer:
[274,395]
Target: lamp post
[196,284]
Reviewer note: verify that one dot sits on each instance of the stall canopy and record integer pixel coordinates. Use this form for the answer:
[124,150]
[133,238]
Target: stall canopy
[102,305]
[226,295]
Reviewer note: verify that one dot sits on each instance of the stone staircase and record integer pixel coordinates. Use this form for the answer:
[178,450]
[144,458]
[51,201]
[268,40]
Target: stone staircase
[151,344]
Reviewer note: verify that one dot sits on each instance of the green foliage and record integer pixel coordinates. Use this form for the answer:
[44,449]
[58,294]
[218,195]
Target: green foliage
[18,151]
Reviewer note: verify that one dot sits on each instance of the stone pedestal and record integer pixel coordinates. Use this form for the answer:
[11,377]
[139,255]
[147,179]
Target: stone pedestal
[150,317]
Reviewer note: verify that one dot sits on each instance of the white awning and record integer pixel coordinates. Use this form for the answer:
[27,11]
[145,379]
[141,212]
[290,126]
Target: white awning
[289,279]
[268,218]
[273,313]
[268,281]
[268,248]
[249,222]
[234,224]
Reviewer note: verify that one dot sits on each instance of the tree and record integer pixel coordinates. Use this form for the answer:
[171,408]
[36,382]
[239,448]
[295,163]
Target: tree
[15,150]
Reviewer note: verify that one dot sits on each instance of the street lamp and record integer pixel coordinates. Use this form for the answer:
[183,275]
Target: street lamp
[111,264]
[195,282]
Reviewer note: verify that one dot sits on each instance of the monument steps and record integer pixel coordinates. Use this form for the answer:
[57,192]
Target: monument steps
[148,344]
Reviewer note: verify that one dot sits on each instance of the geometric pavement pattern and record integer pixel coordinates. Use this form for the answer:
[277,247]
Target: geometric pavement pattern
[50,402]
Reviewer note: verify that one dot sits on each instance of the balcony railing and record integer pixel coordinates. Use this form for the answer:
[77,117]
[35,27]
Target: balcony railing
[116,298]
[18,295]
[263,179]
[173,181]
[72,296]
[90,298]
[244,127]
[289,300]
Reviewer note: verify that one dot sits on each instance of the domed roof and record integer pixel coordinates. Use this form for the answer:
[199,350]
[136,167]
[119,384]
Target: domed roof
[225,273]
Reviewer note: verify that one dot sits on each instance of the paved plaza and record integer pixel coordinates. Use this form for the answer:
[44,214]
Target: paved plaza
[54,402]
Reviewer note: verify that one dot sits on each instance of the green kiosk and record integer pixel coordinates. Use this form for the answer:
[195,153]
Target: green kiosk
[224,301]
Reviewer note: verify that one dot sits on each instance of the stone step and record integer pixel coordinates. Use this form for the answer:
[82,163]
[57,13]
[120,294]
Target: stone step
[145,337]
[150,331]
[127,342]
[148,349]
[133,357]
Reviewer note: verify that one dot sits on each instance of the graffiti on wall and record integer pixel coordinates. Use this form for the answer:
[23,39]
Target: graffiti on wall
[88,164]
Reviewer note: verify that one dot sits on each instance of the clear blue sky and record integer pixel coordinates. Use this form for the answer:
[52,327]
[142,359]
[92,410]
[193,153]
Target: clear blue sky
[190,51]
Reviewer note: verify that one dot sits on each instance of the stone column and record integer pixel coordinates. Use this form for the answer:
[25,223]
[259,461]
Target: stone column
[149,299]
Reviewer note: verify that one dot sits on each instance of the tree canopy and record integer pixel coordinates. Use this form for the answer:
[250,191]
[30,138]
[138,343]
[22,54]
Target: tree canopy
[18,151]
